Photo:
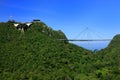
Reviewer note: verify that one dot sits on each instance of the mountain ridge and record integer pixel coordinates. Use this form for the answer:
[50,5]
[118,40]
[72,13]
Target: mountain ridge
[35,54]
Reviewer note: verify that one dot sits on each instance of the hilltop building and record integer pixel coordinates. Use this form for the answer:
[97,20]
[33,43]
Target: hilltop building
[36,20]
[11,19]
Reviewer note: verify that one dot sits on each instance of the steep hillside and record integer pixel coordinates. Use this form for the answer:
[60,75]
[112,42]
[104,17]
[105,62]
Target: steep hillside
[36,54]
[108,60]
[115,43]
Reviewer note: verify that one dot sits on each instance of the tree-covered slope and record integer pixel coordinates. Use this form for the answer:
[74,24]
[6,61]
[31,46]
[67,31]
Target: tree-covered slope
[108,60]
[36,54]
[115,43]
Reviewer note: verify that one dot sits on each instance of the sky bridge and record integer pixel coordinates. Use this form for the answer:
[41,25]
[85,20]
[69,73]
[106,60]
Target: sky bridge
[85,40]
[89,35]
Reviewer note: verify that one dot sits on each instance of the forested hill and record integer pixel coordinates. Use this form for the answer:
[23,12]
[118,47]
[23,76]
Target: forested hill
[115,43]
[37,54]
[108,60]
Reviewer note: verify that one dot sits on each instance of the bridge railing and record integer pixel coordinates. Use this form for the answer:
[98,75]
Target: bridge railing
[85,39]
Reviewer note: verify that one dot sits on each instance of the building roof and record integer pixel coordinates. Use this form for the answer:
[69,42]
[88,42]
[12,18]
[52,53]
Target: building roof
[36,20]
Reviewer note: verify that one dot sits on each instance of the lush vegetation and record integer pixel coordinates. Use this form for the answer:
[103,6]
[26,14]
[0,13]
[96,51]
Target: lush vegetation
[37,54]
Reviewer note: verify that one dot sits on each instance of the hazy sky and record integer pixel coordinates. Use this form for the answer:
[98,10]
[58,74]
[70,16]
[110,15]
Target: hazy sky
[71,16]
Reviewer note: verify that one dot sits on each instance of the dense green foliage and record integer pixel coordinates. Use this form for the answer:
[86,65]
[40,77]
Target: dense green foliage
[109,60]
[37,54]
